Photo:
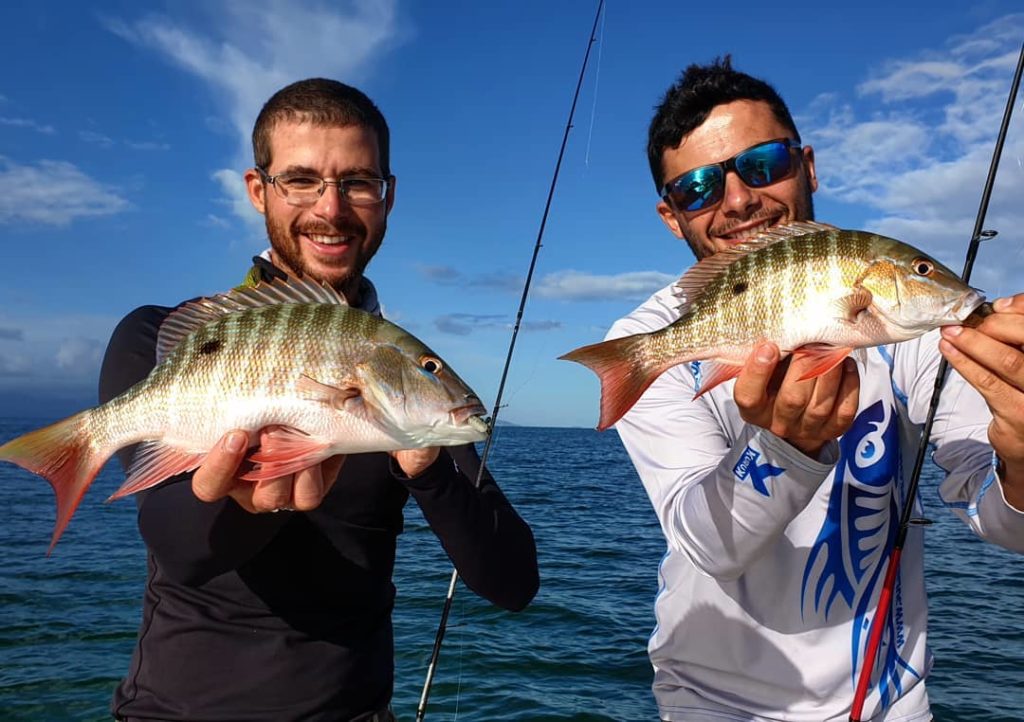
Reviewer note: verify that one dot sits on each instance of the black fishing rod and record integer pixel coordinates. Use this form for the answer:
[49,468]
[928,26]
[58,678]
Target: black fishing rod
[421,710]
[906,517]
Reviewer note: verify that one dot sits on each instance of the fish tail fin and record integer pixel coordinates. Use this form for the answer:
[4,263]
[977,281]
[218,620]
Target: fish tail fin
[61,454]
[623,370]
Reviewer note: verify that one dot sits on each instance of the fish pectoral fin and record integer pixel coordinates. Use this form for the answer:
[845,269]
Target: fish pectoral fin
[849,308]
[714,373]
[334,396]
[823,356]
[154,462]
[285,450]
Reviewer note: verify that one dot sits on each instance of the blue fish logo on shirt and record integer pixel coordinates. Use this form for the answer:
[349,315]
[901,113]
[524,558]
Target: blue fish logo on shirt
[847,559]
[758,474]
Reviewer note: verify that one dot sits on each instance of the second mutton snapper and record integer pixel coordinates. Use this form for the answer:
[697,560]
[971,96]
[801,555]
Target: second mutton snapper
[813,290]
[291,355]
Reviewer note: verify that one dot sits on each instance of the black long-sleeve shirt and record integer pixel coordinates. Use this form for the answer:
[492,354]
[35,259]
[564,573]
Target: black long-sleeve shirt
[287,616]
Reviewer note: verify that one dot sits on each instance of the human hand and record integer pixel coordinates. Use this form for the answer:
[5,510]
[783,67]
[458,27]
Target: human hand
[415,461]
[217,477]
[807,414]
[990,358]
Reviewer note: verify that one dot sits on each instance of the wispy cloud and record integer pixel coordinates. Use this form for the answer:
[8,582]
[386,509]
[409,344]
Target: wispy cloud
[261,46]
[578,286]
[53,193]
[11,334]
[916,147]
[91,136]
[463,324]
[147,145]
[78,353]
[36,352]
[27,123]
[450,276]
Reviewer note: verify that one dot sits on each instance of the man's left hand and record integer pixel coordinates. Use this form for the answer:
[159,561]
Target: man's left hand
[990,358]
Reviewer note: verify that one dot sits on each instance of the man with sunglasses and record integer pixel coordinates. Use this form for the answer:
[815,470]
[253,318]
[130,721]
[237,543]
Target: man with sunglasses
[779,498]
[250,615]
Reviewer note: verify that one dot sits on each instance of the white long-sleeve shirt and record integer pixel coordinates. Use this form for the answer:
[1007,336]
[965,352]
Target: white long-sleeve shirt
[775,561]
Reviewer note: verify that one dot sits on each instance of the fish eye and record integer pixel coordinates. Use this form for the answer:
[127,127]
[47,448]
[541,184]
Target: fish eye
[431,365]
[922,266]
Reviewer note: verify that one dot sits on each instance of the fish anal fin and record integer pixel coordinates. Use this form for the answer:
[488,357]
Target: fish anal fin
[285,450]
[823,357]
[154,462]
[714,373]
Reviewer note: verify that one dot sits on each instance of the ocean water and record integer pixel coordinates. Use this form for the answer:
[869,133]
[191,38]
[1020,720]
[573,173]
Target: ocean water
[68,622]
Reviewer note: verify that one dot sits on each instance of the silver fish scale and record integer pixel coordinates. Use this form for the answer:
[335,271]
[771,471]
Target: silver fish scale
[248,362]
[769,293]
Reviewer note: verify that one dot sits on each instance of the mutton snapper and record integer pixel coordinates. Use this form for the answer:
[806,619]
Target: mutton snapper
[813,290]
[292,355]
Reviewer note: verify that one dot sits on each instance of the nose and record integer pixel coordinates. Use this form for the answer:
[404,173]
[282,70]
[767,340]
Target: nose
[739,199]
[331,204]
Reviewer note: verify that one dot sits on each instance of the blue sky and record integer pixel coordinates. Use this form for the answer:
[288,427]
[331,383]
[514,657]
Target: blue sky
[124,131]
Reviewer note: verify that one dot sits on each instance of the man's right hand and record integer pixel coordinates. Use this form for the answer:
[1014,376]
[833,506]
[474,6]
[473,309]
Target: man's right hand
[807,414]
[302,491]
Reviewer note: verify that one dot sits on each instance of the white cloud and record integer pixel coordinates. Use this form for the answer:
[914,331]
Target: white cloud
[81,356]
[27,123]
[91,136]
[53,193]
[915,150]
[261,46]
[578,286]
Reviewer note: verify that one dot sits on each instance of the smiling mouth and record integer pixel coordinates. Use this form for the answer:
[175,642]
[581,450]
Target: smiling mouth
[738,236]
[325,240]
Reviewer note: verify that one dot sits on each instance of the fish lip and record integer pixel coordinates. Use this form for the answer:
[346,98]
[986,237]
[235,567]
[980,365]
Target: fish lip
[467,413]
[966,305]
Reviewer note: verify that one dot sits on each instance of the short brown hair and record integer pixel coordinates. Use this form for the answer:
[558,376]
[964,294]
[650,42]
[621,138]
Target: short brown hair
[322,102]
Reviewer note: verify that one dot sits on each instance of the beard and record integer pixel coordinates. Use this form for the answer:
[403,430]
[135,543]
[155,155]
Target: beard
[287,250]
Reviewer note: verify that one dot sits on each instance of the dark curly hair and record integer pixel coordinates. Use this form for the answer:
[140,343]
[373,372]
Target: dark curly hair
[698,91]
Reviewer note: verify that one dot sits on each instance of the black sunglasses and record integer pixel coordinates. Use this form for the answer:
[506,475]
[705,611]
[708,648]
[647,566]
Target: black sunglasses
[757,166]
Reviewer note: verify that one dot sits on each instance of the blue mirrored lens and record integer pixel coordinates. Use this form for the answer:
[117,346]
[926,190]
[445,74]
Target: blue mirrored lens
[698,189]
[764,164]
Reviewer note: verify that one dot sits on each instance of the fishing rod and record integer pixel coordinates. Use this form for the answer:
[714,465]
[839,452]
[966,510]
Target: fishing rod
[906,519]
[421,709]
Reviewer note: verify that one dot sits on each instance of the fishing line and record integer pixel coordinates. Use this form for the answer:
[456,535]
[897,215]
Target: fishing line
[597,84]
[421,709]
[906,519]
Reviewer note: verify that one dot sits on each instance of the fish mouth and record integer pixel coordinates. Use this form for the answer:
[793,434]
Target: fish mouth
[470,414]
[968,304]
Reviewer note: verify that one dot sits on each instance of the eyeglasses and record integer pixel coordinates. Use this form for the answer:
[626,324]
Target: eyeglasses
[301,189]
[757,166]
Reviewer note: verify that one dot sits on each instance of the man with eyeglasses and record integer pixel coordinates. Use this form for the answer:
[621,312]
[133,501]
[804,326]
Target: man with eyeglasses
[779,498]
[249,615]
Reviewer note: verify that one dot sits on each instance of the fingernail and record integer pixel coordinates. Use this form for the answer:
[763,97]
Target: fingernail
[952,331]
[235,442]
[1001,304]
[764,354]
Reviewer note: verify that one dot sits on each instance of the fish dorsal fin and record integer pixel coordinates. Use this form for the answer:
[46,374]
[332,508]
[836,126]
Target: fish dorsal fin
[692,284]
[196,314]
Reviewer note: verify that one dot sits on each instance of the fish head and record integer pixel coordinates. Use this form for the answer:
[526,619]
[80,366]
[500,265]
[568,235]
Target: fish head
[913,293]
[417,398]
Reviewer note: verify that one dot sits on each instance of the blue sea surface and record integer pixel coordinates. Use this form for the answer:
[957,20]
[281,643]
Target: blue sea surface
[68,621]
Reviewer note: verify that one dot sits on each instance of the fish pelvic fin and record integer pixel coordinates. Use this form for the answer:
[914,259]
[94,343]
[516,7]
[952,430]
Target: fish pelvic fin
[286,450]
[824,357]
[61,454]
[619,364]
[715,373]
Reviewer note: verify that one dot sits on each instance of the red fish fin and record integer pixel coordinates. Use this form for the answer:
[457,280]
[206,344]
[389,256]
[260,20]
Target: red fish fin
[825,358]
[283,451]
[333,396]
[61,454]
[714,373]
[153,463]
[624,376]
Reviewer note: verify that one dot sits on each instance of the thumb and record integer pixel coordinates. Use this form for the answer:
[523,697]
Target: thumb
[216,476]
